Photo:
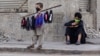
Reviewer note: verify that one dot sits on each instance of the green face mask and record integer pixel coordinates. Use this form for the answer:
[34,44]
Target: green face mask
[77,20]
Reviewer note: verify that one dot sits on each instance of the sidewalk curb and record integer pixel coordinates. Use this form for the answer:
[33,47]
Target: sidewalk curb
[47,51]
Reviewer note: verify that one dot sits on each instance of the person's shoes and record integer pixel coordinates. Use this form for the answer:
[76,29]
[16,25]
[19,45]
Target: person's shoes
[31,46]
[78,43]
[68,42]
[39,47]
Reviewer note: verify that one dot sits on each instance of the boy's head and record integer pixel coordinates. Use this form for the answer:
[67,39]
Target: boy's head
[39,6]
[78,15]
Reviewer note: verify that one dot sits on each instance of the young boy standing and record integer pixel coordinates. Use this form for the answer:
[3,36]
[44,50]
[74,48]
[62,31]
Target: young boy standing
[39,26]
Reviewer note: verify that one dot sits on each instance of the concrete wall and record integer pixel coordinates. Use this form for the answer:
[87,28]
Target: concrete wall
[56,30]
[10,22]
[98,14]
[93,8]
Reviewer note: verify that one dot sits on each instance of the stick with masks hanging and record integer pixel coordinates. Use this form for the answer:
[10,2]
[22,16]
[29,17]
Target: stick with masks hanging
[43,10]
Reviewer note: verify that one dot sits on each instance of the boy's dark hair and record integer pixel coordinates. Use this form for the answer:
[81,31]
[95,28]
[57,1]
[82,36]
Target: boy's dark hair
[40,4]
[78,14]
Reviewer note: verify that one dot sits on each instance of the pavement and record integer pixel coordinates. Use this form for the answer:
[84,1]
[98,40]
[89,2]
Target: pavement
[30,54]
[50,48]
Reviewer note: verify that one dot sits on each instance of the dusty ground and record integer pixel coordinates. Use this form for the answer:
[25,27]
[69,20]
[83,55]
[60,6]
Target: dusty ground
[30,54]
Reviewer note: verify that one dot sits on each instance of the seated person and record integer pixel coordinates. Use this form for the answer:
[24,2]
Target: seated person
[75,30]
